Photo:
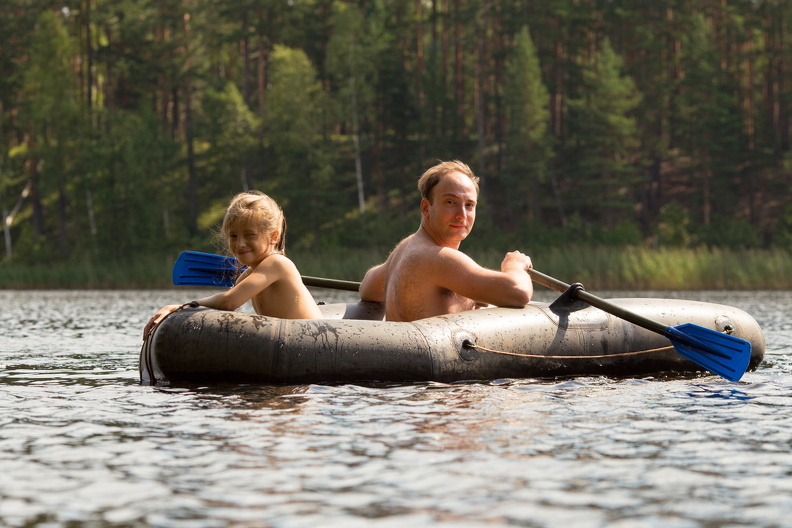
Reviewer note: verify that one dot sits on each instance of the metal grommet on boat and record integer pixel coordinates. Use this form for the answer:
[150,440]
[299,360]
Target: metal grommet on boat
[725,325]
[466,345]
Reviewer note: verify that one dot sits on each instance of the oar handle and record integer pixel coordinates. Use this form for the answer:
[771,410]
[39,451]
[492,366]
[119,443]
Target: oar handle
[321,282]
[593,300]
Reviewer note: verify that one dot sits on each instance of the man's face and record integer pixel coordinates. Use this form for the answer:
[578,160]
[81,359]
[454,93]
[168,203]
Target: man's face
[450,215]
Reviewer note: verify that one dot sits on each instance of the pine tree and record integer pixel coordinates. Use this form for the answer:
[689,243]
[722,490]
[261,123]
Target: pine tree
[604,140]
[526,102]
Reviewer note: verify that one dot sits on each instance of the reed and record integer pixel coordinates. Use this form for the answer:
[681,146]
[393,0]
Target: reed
[140,273]
[598,268]
[348,264]
[638,268]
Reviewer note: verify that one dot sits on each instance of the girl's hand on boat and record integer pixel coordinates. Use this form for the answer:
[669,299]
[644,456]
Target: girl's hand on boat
[164,312]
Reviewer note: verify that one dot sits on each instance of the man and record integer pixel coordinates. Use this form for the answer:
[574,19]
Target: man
[426,274]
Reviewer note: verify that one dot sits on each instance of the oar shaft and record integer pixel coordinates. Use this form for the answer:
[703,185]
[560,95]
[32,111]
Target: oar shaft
[548,281]
[321,282]
[195,268]
[593,300]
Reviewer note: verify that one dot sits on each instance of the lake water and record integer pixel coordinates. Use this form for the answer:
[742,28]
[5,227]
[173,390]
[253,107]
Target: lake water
[82,443]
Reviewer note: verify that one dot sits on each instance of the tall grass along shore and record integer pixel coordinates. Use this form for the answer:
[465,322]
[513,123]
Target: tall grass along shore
[598,268]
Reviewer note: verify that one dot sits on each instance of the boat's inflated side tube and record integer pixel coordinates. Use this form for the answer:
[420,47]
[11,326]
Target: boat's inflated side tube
[212,345]
[549,341]
[540,340]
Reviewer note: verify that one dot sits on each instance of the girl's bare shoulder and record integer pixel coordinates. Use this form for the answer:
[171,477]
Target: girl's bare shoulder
[276,262]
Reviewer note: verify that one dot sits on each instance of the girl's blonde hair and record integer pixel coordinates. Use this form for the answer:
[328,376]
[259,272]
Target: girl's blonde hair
[257,209]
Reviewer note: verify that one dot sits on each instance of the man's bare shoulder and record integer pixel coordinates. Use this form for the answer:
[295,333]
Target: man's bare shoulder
[415,251]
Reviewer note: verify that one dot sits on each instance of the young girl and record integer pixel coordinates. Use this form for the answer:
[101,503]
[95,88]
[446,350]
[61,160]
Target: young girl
[254,230]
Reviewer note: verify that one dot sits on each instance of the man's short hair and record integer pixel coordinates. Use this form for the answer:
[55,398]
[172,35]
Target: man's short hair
[435,174]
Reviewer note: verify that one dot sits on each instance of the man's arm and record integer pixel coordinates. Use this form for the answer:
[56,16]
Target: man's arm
[372,288]
[511,286]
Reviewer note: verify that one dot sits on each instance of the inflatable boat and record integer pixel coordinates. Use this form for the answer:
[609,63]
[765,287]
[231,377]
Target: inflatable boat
[352,343]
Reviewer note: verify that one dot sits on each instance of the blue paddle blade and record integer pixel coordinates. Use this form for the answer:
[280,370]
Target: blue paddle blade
[725,355]
[194,268]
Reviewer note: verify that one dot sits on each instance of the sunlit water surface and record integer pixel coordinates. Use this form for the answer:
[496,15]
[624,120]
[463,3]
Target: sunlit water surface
[82,443]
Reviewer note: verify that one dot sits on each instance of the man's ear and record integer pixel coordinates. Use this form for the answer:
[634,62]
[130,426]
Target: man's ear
[425,207]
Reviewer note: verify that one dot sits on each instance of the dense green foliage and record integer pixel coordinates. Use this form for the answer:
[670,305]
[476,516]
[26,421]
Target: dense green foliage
[126,125]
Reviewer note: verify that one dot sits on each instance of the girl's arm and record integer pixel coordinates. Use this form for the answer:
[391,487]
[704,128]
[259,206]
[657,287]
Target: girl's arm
[257,280]
[163,312]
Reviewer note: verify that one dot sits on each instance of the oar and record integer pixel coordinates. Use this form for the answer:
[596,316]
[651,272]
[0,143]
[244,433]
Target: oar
[720,353]
[194,268]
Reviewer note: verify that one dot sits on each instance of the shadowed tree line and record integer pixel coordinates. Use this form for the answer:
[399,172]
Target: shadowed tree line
[126,125]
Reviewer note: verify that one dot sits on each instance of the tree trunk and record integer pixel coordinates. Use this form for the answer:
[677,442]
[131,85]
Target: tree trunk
[459,75]
[245,48]
[8,218]
[356,144]
[89,81]
[480,111]
[7,234]
[35,197]
[192,176]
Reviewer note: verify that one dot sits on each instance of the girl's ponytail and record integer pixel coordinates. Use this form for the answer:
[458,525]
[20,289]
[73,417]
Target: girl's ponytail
[280,246]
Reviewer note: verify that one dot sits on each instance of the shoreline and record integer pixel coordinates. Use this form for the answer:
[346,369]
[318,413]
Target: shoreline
[598,268]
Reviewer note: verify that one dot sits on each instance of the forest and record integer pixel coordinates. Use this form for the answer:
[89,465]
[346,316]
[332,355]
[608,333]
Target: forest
[127,125]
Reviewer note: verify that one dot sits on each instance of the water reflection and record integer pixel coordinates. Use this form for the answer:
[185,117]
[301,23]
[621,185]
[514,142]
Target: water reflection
[725,394]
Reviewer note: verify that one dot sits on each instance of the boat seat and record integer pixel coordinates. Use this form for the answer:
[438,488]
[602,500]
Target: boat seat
[362,310]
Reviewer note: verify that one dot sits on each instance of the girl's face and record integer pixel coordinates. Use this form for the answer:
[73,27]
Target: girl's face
[249,244]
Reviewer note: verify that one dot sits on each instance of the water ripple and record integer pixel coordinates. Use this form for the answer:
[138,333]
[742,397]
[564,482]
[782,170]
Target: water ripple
[659,451]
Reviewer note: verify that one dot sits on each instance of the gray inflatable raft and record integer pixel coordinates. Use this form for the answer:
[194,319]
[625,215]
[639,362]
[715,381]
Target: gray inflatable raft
[354,344]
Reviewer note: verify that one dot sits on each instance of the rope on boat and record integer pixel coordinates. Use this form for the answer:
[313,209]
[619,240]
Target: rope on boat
[145,358]
[145,351]
[538,356]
